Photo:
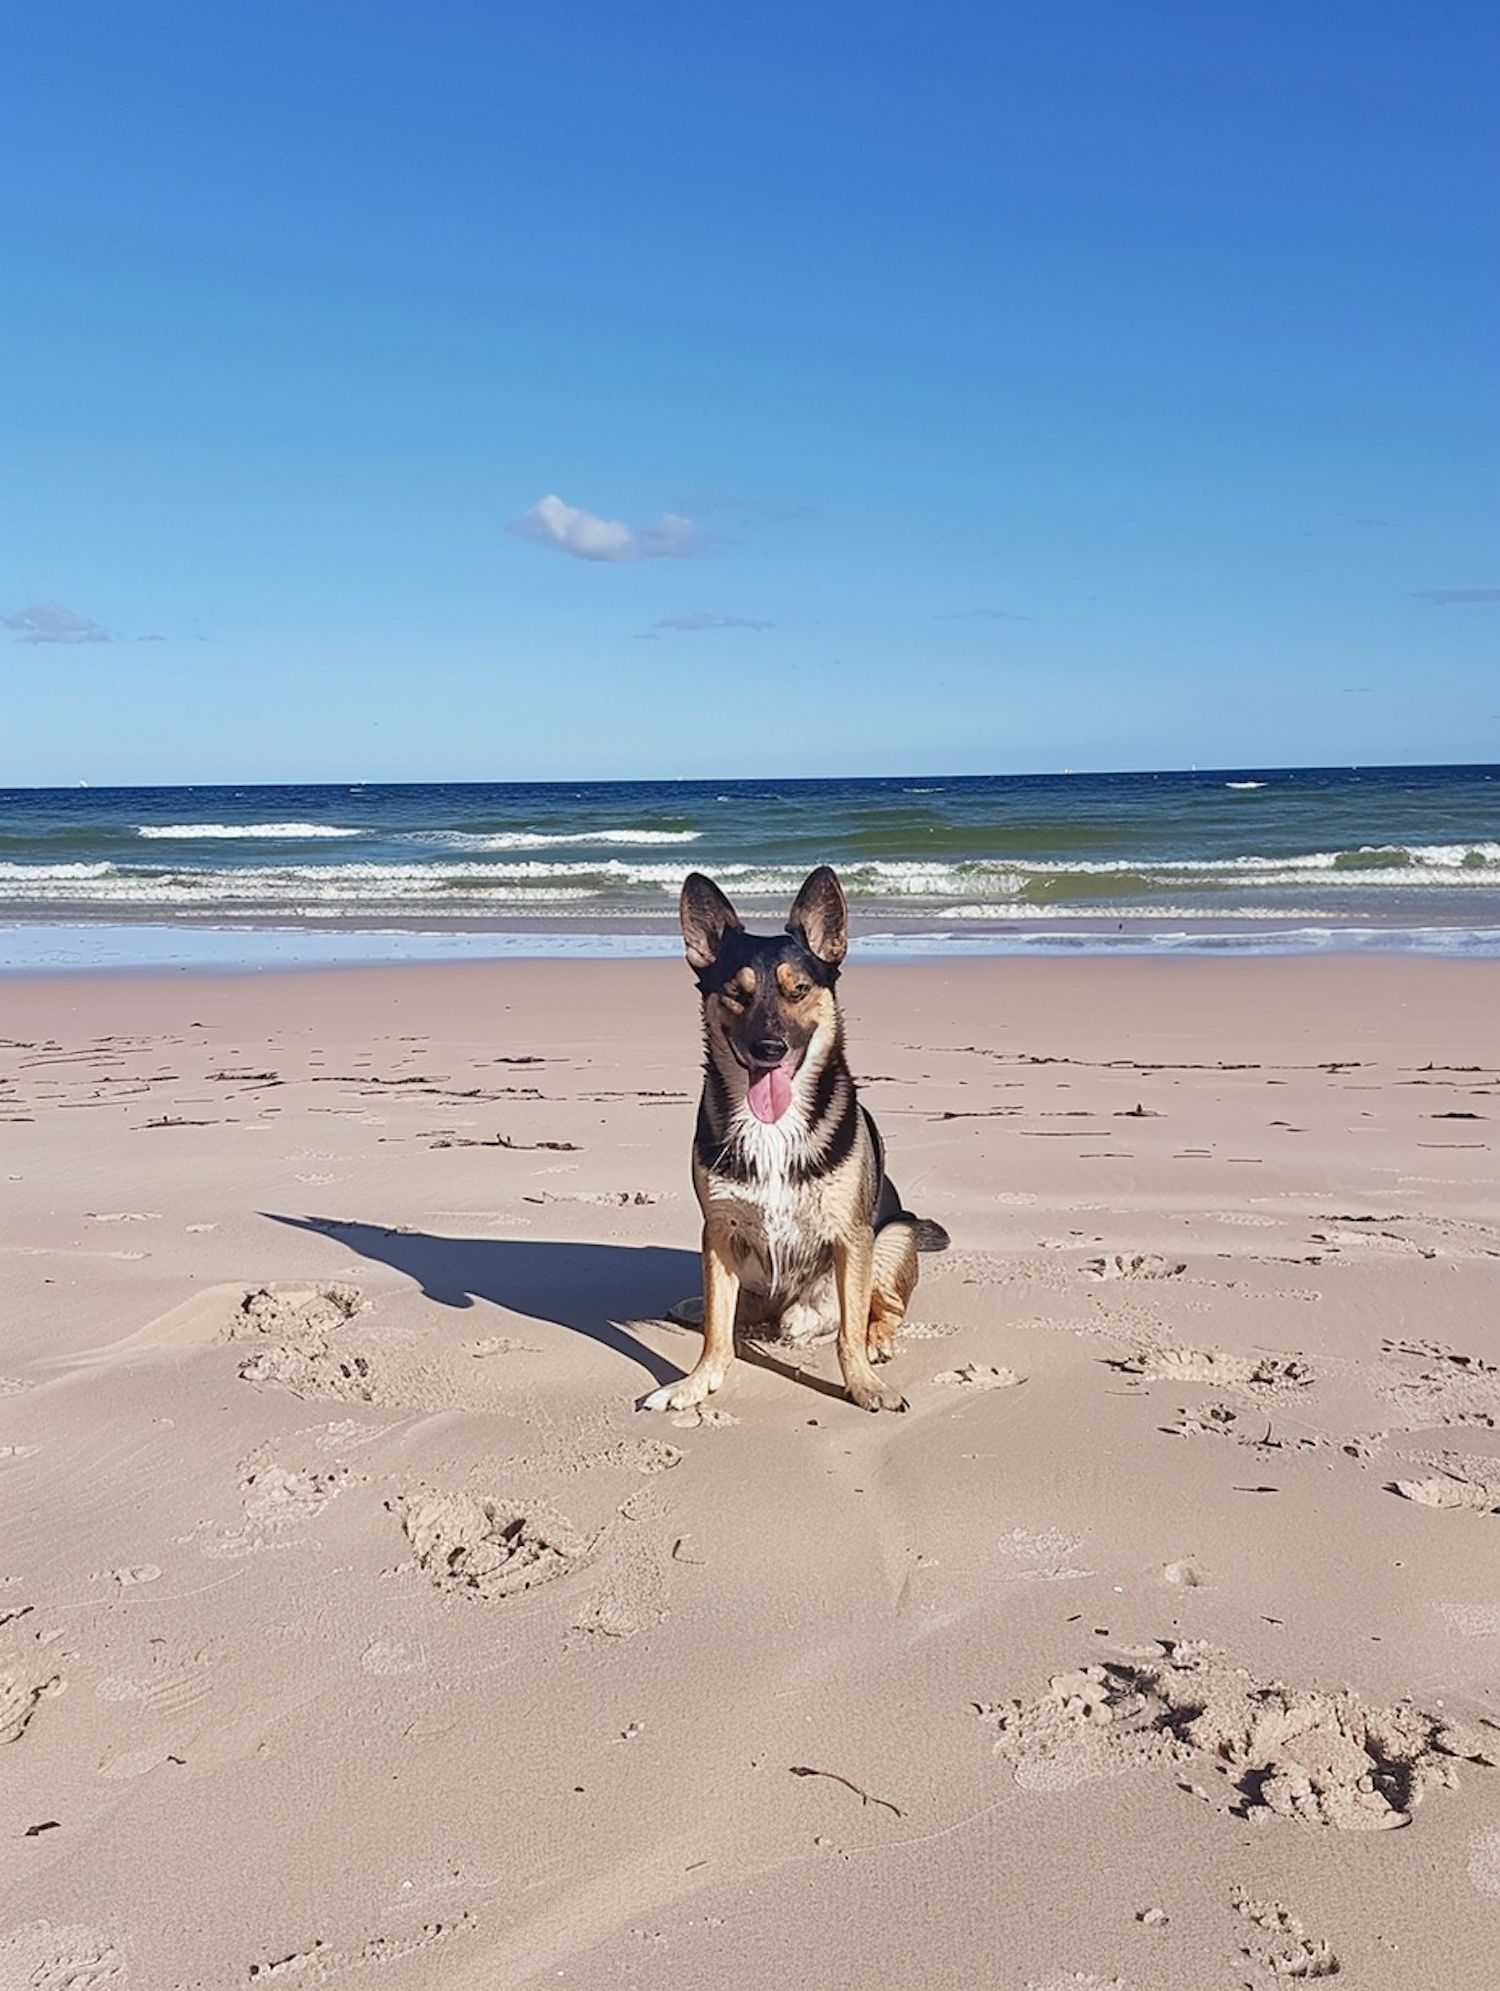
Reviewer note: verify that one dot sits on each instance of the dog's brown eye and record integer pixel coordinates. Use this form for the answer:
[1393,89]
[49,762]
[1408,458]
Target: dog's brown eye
[802,989]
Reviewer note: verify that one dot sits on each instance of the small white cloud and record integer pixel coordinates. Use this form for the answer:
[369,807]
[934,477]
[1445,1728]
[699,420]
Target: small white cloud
[1441,597]
[568,529]
[690,624]
[50,622]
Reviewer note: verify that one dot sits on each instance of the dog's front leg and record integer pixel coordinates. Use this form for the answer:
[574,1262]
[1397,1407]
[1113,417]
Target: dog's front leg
[721,1292]
[853,1260]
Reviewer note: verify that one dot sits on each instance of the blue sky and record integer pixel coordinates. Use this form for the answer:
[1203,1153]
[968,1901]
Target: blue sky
[477,391]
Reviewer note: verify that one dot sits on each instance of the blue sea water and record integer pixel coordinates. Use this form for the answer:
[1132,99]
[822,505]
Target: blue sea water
[1270,859]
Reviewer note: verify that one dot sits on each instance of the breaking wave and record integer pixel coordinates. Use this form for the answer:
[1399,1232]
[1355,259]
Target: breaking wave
[482,880]
[544,840]
[264,832]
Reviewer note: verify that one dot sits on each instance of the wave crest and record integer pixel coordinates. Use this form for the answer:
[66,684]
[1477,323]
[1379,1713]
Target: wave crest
[266,832]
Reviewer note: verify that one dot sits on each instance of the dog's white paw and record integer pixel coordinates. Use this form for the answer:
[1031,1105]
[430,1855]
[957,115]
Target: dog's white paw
[875,1396]
[673,1396]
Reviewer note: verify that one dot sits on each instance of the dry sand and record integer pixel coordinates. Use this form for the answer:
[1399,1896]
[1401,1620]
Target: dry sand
[357,1628]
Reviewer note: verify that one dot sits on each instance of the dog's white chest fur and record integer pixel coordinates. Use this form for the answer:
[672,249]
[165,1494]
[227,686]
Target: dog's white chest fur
[775,1217]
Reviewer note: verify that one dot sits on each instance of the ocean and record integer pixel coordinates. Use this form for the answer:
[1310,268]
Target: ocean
[1265,860]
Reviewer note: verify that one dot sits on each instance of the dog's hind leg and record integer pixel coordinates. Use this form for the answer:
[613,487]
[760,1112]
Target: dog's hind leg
[853,1269]
[721,1287]
[893,1274]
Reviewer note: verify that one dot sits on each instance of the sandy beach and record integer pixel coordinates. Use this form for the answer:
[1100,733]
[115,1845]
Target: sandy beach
[356,1626]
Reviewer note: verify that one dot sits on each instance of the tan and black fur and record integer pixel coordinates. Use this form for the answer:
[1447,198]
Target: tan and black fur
[801,1225]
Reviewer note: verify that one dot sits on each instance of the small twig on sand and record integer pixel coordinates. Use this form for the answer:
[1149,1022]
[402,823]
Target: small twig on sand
[865,1797]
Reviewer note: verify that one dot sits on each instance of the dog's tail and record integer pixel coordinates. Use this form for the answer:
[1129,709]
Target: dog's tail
[930,1236]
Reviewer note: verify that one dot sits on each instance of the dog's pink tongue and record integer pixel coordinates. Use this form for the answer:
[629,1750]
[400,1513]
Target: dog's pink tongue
[770,1094]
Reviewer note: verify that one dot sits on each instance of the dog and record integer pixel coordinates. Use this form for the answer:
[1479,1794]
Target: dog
[801,1225]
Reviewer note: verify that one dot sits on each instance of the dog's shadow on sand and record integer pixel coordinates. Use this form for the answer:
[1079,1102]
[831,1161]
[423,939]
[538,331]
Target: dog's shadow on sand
[588,1288]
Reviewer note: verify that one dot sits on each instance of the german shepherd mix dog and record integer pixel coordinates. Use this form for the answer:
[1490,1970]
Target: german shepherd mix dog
[801,1225]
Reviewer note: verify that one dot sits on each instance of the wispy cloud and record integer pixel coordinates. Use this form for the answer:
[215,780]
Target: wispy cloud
[983,615]
[1442,597]
[691,624]
[568,529]
[743,514]
[50,622]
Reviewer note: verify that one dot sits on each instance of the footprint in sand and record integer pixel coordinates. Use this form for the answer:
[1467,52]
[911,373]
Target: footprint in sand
[1452,1388]
[315,1371]
[1211,1420]
[1300,1754]
[1445,1491]
[276,1500]
[1134,1265]
[321,1963]
[18,1701]
[1186,1575]
[392,1658]
[274,1496]
[294,1310]
[1473,1620]
[1212,1365]
[175,1676]
[308,1360]
[645,1455]
[1043,1557]
[704,1414]
[486,1548]
[1278,1944]
[979,1376]
[59,1956]
[321,1350]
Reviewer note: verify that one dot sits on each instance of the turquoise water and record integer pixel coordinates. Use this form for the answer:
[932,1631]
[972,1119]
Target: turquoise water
[1392,857]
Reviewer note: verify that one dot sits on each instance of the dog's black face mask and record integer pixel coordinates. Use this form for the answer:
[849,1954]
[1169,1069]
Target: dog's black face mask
[765,996]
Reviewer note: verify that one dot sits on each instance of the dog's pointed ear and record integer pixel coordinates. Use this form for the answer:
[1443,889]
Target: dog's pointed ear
[820,917]
[706,917]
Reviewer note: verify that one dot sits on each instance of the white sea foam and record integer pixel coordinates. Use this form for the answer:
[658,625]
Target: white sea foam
[542,840]
[205,832]
[1001,912]
[1354,866]
[1244,784]
[296,890]
[452,884]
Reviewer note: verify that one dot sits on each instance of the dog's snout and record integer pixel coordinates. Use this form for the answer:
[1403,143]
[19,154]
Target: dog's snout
[769,1050]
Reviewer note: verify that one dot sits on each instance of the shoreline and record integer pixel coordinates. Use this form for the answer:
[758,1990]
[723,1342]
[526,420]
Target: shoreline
[62,947]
